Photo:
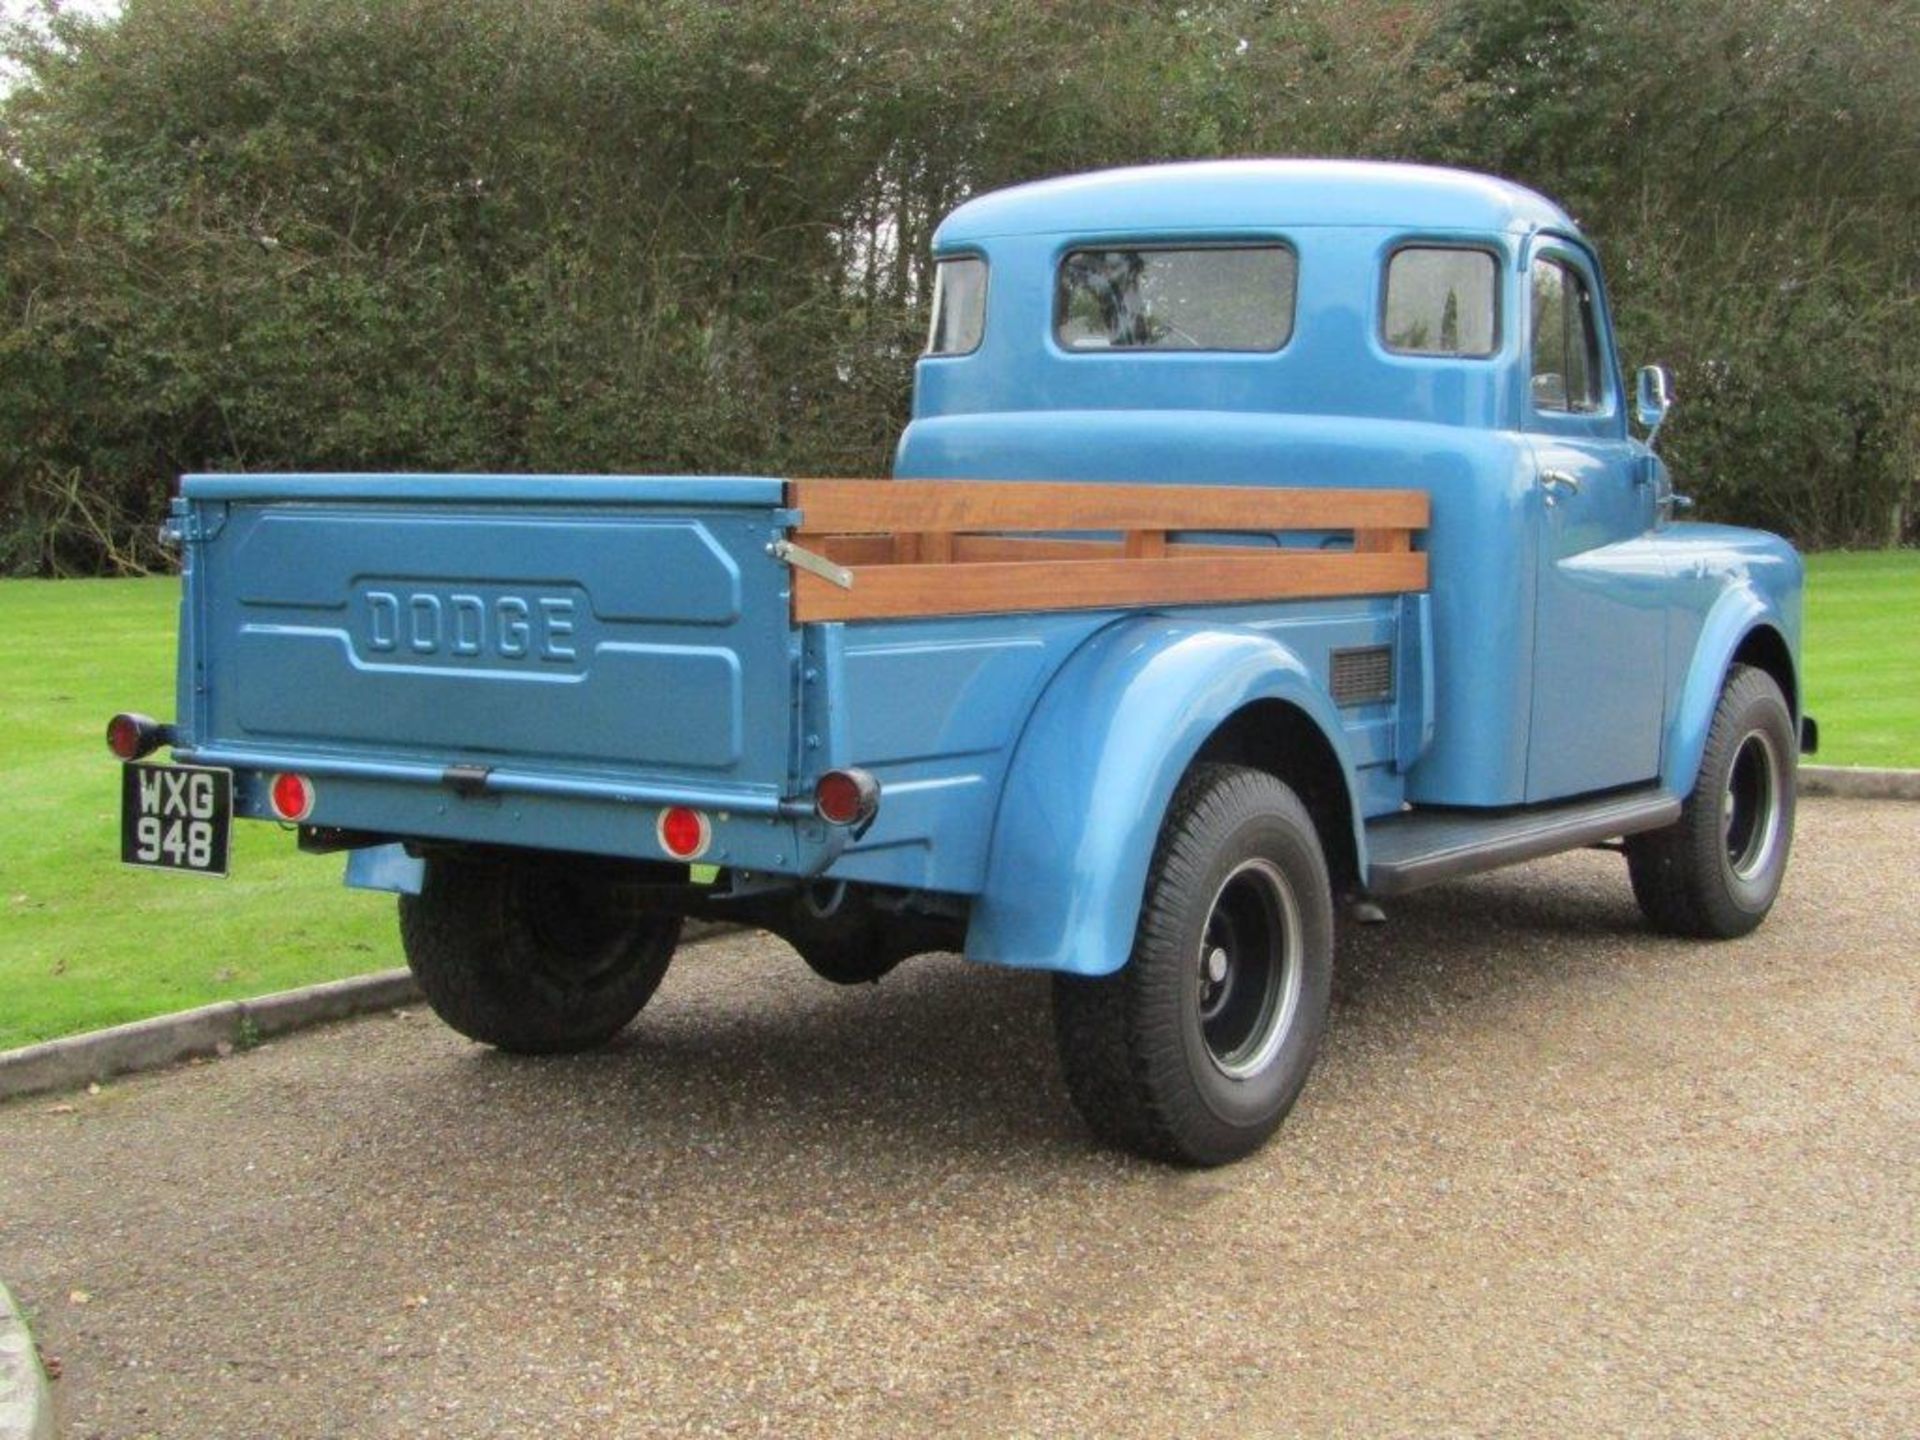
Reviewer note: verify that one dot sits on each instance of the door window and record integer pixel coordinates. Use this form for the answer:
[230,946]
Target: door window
[1566,341]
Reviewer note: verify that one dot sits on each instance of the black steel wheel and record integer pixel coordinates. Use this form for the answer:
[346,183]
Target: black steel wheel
[1251,968]
[1716,871]
[1195,1050]
[533,957]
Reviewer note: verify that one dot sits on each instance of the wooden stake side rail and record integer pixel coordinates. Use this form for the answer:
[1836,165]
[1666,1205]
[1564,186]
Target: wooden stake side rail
[916,547]
[952,506]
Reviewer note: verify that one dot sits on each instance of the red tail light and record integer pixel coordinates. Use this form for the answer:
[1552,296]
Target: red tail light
[291,796]
[131,736]
[846,797]
[684,833]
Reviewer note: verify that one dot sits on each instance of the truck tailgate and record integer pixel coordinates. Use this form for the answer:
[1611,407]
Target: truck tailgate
[629,629]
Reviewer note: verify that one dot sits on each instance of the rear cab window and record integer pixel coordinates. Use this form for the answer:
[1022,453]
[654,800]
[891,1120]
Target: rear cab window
[1443,301]
[1172,297]
[959,306]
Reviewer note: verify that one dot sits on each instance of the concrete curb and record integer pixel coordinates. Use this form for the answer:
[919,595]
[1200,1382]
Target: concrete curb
[76,1060]
[1859,783]
[26,1411]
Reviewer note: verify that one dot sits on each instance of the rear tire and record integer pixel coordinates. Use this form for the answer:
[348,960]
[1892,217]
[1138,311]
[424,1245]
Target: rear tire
[1715,872]
[535,958]
[1195,1050]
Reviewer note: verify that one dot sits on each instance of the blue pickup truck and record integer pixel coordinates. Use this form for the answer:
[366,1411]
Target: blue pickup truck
[1269,540]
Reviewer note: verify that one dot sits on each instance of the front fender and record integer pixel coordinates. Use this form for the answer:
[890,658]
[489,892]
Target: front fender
[1739,611]
[1095,768]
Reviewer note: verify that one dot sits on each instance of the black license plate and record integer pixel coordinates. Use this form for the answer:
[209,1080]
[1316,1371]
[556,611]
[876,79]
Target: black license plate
[176,817]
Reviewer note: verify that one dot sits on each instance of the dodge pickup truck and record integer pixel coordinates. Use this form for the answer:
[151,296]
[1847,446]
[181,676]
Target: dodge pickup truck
[1269,540]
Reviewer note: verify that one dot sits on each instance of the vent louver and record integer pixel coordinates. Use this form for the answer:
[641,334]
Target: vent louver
[1363,675]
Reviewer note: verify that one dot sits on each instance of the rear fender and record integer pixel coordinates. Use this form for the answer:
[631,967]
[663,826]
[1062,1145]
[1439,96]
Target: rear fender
[1093,774]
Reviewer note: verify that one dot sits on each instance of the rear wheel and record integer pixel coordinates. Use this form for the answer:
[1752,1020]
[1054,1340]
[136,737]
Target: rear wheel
[1197,1048]
[1715,872]
[532,957]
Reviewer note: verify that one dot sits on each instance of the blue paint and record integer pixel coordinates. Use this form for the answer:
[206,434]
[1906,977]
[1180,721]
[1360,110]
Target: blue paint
[1727,583]
[386,867]
[1481,483]
[604,646]
[1108,742]
[1413,681]
[704,491]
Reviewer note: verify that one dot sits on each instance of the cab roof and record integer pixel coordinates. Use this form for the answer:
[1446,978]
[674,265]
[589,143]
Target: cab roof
[1255,194]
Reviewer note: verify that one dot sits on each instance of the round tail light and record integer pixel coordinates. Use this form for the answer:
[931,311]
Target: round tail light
[291,796]
[131,736]
[684,833]
[846,797]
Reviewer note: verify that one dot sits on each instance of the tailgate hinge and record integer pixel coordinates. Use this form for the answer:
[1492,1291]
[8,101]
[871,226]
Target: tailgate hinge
[802,558]
[468,781]
[189,523]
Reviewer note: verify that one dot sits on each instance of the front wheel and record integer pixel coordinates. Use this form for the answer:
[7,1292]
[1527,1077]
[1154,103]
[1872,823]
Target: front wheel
[1714,873]
[1195,1050]
[532,957]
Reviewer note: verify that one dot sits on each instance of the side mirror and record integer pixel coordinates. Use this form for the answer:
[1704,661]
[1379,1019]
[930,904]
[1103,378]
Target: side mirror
[1652,399]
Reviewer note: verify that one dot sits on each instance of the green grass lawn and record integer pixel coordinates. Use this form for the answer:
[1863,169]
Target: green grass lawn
[85,942]
[1863,656]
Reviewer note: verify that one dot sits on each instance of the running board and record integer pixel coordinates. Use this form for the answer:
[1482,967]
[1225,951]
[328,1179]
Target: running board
[1417,848]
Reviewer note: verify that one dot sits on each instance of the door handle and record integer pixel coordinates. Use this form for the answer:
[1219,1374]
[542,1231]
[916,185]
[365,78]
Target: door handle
[1555,482]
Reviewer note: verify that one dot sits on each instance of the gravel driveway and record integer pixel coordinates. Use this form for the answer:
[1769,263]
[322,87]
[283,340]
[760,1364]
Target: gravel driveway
[1553,1176]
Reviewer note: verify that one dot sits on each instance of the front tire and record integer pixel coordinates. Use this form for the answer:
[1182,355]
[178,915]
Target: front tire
[1714,873]
[536,958]
[1195,1050]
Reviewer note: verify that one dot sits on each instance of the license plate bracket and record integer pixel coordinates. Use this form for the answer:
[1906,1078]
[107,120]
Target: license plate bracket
[176,817]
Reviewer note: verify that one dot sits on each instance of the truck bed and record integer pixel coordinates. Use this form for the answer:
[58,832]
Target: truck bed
[547,661]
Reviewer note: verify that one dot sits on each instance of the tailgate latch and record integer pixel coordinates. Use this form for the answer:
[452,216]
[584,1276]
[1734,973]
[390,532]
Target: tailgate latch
[802,558]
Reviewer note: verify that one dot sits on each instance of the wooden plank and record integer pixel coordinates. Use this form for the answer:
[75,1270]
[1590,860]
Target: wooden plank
[1146,544]
[906,547]
[936,547]
[1038,548]
[967,548]
[952,505]
[879,550]
[889,591]
[1382,542]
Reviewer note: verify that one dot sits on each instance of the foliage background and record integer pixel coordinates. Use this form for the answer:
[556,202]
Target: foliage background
[690,234]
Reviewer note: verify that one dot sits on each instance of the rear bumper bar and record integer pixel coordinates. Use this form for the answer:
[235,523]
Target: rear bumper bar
[509,782]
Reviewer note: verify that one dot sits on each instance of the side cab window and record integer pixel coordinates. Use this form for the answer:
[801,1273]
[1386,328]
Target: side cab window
[1442,301]
[1569,368]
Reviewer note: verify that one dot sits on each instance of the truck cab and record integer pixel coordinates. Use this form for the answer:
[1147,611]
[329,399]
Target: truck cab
[1429,328]
[1269,538]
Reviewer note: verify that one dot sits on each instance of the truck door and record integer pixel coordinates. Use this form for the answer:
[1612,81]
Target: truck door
[1599,625]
